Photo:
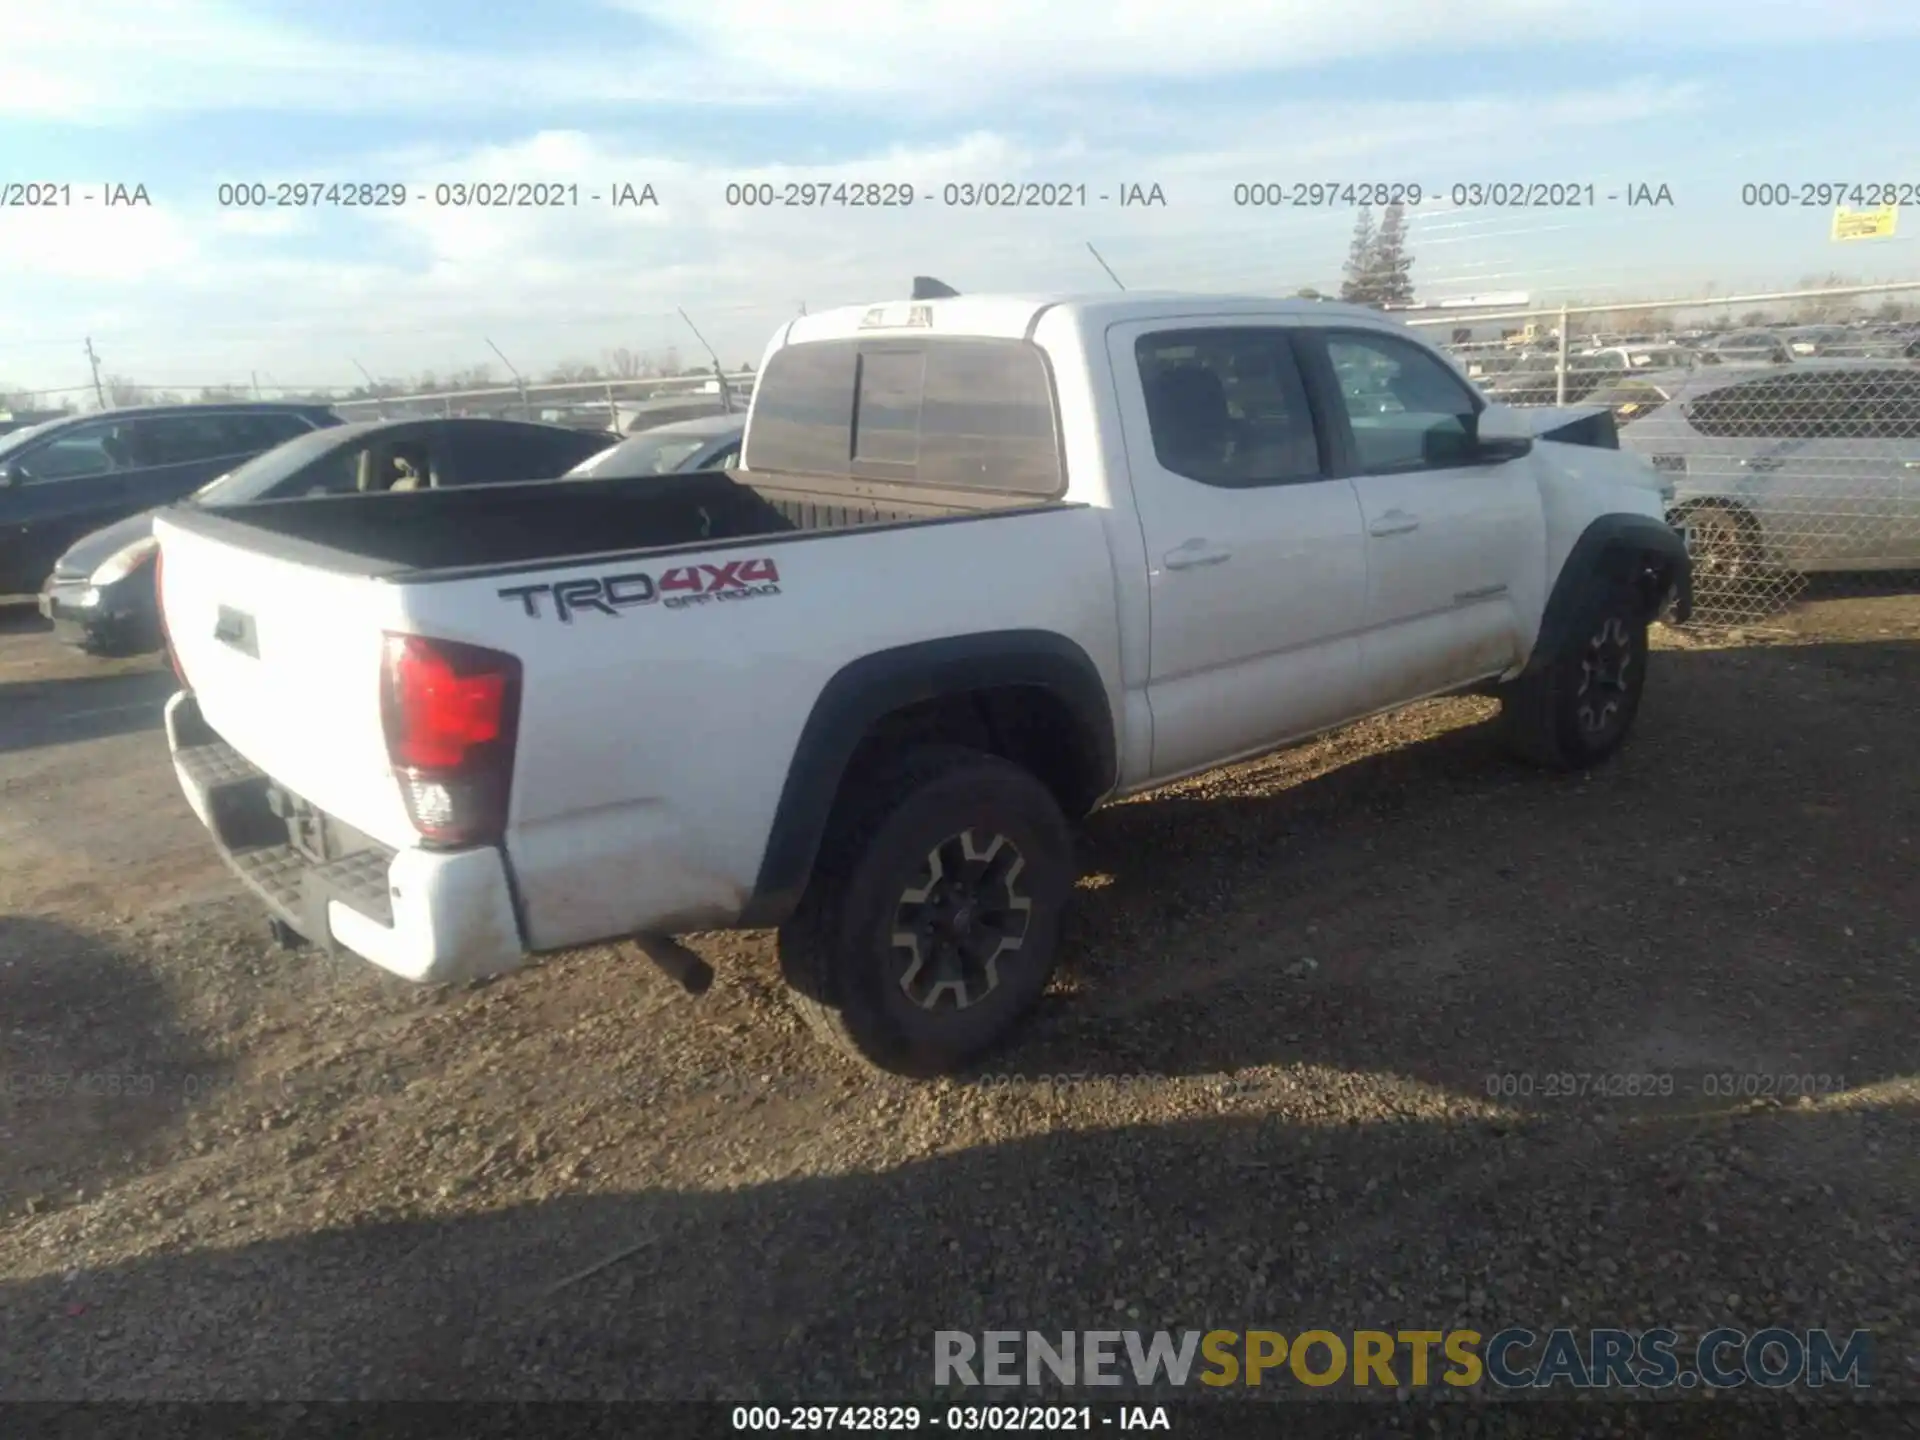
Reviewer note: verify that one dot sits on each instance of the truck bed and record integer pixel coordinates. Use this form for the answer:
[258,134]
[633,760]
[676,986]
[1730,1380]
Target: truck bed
[458,531]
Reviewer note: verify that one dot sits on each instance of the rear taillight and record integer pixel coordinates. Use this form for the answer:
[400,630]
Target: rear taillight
[451,712]
[160,609]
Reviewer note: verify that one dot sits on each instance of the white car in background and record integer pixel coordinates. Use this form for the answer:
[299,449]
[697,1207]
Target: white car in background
[1810,468]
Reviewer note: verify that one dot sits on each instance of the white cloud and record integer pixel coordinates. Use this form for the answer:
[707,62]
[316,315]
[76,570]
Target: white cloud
[112,61]
[929,50]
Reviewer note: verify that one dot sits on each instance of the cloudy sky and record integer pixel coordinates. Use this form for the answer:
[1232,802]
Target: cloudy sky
[184,96]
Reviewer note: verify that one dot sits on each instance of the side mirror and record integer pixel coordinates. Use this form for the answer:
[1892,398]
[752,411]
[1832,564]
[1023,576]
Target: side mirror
[11,474]
[1502,433]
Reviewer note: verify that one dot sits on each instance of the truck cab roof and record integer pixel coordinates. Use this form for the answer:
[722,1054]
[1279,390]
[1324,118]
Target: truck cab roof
[1014,316]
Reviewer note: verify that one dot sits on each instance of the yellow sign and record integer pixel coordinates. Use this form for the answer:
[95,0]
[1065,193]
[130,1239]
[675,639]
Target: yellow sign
[1865,224]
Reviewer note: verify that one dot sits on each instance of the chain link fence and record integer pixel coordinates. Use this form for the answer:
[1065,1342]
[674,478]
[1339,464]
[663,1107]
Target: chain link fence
[618,405]
[1791,443]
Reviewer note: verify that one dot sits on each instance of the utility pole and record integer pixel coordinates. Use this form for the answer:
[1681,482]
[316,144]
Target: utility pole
[94,360]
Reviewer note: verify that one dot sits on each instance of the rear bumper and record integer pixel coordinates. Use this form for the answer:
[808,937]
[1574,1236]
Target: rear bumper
[99,618]
[433,917]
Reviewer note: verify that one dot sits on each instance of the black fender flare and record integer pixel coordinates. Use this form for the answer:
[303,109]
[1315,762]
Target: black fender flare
[1588,562]
[869,689]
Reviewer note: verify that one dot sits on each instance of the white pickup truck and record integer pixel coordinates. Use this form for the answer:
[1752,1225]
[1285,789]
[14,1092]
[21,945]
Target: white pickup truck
[990,562]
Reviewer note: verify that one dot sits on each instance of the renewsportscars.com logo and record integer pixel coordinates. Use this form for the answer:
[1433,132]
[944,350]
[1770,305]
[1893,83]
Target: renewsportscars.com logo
[1512,1359]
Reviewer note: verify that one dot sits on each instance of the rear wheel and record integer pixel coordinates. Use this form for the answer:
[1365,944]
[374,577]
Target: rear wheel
[1578,709]
[931,924]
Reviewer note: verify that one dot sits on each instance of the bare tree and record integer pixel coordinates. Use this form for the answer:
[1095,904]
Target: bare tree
[120,390]
[216,394]
[572,372]
[624,364]
[1823,308]
[474,377]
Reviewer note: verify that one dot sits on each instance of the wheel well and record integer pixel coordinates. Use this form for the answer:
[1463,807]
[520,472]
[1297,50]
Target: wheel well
[1028,725]
[1651,573]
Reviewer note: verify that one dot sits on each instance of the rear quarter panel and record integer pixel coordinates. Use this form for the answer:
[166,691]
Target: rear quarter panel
[655,743]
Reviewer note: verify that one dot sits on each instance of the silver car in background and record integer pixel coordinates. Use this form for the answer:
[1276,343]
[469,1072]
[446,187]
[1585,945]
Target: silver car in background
[711,442]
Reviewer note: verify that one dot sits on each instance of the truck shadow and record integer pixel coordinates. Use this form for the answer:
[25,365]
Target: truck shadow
[798,1289]
[1732,894]
[21,616]
[34,713]
[94,1064]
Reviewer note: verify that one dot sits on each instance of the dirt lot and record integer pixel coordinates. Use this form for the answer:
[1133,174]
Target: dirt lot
[231,1172]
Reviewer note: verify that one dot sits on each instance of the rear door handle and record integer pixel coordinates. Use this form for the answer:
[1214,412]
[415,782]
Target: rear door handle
[1762,464]
[1913,464]
[1394,522]
[1196,553]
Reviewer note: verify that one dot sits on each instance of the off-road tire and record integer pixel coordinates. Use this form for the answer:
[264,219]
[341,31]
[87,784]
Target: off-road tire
[839,953]
[1570,714]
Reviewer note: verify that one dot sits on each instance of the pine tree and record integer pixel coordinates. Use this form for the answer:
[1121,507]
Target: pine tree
[1356,287]
[1391,268]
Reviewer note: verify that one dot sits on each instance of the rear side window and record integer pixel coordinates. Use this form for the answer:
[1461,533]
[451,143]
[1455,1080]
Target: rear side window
[963,414]
[1822,405]
[184,439]
[492,455]
[249,433]
[1227,407]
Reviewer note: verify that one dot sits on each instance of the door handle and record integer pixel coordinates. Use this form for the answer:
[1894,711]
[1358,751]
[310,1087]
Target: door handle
[1394,522]
[1194,554]
[1913,464]
[1761,464]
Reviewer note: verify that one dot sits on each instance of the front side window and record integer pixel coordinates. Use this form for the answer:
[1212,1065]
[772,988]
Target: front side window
[102,448]
[1414,413]
[1227,406]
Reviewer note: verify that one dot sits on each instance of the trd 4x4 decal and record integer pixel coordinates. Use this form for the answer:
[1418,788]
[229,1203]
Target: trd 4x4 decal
[677,588]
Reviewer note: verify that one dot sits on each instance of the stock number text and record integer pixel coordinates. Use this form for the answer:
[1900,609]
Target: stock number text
[809,195]
[1319,193]
[1826,194]
[307,195]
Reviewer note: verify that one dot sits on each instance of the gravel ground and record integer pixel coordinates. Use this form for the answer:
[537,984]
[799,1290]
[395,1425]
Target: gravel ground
[1260,1097]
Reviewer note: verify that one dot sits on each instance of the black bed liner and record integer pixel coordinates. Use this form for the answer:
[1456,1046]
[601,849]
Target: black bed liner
[460,532]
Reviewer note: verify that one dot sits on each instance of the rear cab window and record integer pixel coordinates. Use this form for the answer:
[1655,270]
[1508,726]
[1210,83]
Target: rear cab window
[948,413]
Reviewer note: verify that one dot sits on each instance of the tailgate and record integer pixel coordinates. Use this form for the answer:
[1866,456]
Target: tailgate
[285,659]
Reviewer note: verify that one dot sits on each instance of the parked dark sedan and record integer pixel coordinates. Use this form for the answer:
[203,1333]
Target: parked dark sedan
[101,596]
[67,477]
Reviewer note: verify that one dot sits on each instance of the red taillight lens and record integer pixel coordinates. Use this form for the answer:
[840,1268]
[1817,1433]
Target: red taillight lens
[450,712]
[442,713]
